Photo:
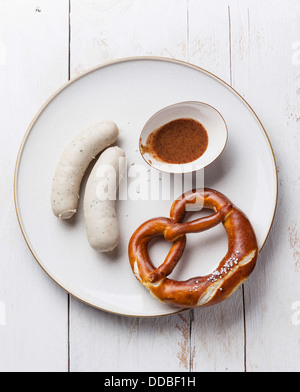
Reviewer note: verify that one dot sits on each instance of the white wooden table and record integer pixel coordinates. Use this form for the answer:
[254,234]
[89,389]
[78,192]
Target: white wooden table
[252,44]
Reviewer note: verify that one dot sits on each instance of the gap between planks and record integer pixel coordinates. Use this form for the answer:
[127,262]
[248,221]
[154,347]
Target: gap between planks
[231,84]
[69,297]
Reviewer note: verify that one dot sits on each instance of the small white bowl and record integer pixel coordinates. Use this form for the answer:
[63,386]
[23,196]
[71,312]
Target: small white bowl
[208,116]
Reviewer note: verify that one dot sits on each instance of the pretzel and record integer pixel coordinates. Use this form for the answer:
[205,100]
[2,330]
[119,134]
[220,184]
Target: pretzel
[200,291]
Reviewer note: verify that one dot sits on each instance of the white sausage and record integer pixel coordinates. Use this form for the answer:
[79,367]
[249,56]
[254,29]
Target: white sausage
[100,216]
[73,164]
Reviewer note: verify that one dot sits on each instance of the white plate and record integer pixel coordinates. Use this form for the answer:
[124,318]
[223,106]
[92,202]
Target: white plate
[128,92]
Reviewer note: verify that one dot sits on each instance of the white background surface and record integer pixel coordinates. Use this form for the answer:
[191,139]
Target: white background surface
[253,45]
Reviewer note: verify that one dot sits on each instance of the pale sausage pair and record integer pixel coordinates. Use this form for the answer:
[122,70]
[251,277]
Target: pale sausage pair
[99,212]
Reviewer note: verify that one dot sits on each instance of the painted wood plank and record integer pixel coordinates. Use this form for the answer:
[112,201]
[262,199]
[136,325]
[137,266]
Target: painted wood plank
[105,342]
[213,347]
[33,64]
[112,29]
[103,31]
[265,71]
[209,39]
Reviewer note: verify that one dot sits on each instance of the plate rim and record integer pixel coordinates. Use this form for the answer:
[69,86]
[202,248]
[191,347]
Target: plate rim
[87,72]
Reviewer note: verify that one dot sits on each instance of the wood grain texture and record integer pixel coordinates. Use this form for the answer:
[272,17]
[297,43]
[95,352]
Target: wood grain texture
[34,331]
[263,34]
[104,342]
[108,30]
[208,36]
